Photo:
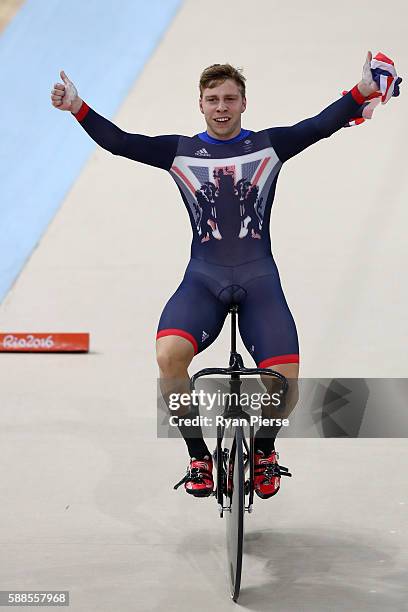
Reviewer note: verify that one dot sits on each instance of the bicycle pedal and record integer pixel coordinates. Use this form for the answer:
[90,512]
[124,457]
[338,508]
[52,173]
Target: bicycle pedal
[285,473]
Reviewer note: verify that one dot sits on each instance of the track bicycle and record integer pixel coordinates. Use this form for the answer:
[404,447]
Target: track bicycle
[234,456]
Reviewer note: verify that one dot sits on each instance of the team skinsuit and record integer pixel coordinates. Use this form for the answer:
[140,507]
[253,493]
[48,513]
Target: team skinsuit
[228,187]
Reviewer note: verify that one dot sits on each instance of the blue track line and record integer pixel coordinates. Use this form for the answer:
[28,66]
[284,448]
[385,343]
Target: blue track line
[41,155]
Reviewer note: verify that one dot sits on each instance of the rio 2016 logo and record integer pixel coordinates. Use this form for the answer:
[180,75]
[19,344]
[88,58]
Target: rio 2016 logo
[29,342]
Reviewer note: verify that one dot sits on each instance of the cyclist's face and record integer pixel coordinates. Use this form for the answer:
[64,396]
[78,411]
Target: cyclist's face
[222,107]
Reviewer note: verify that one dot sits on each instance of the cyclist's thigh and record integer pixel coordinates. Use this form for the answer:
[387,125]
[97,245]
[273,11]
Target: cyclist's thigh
[193,312]
[266,324]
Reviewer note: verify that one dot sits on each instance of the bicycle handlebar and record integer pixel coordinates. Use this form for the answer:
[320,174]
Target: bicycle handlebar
[240,370]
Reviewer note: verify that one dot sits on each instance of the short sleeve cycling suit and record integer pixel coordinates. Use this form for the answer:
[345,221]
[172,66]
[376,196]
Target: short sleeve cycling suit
[228,187]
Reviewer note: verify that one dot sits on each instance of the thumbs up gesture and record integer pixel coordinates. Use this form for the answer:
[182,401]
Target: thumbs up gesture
[64,96]
[367,85]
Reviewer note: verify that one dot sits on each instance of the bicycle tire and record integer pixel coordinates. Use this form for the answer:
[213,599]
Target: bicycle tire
[235,517]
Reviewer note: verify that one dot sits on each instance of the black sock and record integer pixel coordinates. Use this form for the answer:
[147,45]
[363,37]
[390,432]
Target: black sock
[265,439]
[193,437]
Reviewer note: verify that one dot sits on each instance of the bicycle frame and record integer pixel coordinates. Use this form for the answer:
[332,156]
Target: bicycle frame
[235,371]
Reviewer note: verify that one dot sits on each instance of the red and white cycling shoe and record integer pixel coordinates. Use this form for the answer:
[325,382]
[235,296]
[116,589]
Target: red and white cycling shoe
[267,474]
[199,479]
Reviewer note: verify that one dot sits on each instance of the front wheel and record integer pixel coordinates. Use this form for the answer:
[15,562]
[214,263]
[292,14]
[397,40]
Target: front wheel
[235,515]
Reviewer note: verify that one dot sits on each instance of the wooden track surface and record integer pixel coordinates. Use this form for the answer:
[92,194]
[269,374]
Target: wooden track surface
[8,8]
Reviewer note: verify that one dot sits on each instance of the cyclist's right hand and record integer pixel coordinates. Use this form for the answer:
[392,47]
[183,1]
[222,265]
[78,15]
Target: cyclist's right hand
[64,96]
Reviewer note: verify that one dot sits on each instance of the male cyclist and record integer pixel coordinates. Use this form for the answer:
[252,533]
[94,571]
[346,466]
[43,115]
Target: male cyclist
[227,178]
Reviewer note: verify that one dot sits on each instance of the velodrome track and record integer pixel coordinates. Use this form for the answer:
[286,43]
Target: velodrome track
[86,487]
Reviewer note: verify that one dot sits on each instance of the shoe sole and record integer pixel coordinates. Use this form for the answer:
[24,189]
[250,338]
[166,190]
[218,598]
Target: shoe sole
[199,493]
[266,495]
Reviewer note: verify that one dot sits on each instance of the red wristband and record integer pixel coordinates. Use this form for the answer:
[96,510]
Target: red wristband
[82,113]
[357,95]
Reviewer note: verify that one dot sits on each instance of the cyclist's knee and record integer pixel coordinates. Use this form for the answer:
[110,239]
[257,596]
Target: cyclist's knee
[290,371]
[273,385]
[174,354]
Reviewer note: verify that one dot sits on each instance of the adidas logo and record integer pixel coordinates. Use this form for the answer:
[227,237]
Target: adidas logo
[204,336]
[202,153]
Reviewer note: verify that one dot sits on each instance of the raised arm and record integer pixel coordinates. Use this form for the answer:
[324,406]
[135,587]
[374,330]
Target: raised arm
[158,151]
[289,141]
